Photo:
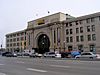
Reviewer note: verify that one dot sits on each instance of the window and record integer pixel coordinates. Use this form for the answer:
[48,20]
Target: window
[93,37]
[99,18]
[88,28]
[8,40]
[71,39]
[81,29]
[77,30]
[67,39]
[87,20]
[81,38]
[93,27]
[71,32]
[92,48]
[22,38]
[14,39]
[77,38]
[92,19]
[67,32]
[17,39]
[80,21]
[7,45]
[89,37]
[66,24]
[17,44]
[10,45]
[76,22]
[70,24]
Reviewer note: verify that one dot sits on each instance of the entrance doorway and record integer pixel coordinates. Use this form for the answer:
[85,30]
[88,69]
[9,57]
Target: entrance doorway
[43,43]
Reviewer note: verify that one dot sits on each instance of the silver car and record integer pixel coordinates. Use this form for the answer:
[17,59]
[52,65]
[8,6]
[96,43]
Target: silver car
[87,55]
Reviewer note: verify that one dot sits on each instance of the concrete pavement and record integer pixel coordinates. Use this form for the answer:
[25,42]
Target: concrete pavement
[41,66]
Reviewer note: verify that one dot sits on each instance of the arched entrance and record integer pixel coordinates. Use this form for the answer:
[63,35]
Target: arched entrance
[43,43]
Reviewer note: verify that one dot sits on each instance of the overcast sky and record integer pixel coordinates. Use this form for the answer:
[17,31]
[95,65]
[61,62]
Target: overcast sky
[14,14]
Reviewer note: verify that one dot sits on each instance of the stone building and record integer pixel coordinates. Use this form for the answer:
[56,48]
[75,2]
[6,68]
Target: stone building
[59,32]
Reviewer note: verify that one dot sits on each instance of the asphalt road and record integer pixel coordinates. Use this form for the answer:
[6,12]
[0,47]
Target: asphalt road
[41,66]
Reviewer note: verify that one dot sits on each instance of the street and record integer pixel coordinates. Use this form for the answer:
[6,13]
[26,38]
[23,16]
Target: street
[47,66]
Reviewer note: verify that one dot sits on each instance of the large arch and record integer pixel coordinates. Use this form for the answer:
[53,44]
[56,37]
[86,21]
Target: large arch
[43,43]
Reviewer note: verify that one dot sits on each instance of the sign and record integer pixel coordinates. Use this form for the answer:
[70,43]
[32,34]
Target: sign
[40,21]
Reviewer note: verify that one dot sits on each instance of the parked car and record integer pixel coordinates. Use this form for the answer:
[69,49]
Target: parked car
[50,54]
[32,55]
[9,54]
[87,55]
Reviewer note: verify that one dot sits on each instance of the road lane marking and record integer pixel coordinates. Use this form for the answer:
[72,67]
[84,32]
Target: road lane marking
[2,74]
[20,62]
[60,66]
[1,64]
[37,70]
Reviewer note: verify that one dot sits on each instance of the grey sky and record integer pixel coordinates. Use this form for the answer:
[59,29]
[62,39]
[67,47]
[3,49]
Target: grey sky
[14,14]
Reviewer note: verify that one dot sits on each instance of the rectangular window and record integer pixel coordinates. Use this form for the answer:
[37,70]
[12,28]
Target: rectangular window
[81,29]
[70,24]
[67,32]
[71,39]
[67,39]
[80,21]
[81,38]
[93,37]
[88,28]
[77,38]
[76,22]
[92,19]
[71,32]
[77,30]
[99,18]
[87,20]
[89,37]
[93,27]
[66,24]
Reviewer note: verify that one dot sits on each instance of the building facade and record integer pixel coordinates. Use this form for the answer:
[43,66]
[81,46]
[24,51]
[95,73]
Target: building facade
[58,32]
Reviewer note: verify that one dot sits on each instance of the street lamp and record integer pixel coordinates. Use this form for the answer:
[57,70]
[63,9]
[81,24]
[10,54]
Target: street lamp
[64,46]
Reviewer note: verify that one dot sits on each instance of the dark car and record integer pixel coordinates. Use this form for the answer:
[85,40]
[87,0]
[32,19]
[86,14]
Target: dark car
[9,54]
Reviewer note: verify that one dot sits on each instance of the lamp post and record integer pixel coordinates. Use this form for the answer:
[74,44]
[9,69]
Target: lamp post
[64,46]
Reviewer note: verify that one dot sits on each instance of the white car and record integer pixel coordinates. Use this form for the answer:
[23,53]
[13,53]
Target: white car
[50,54]
[87,55]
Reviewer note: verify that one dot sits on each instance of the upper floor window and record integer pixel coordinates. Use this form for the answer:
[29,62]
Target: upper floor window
[88,28]
[71,32]
[80,21]
[71,39]
[81,38]
[87,20]
[70,24]
[76,22]
[77,30]
[93,27]
[77,38]
[10,40]
[81,29]
[93,37]
[67,39]
[67,32]
[99,18]
[92,19]
[66,24]
[89,37]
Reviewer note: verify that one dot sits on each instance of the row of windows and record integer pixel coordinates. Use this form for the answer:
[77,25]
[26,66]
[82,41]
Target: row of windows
[16,39]
[90,37]
[16,44]
[14,35]
[89,20]
[80,29]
